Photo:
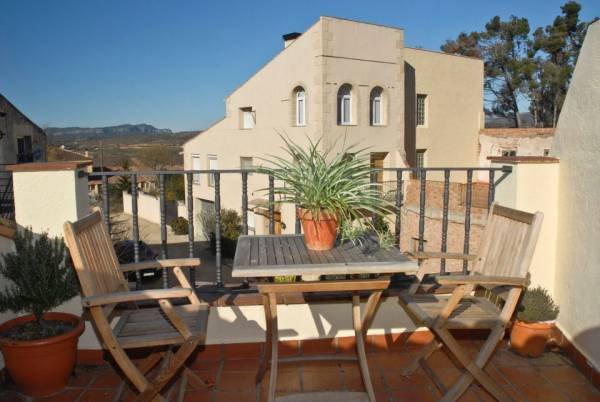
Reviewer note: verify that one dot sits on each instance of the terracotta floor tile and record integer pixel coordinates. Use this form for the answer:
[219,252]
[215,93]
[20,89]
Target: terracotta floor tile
[97,395]
[503,357]
[322,379]
[394,380]
[416,340]
[67,395]
[203,364]
[390,361]
[386,342]
[562,374]
[106,378]
[352,378]
[209,352]
[241,364]
[82,377]
[440,360]
[549,359]
[235,397]
[193,395]
[522,375]
[412,394]
[243,350]
[209,376]
[543,393]
[288,380]
[318,346]
[239,381]
[581,392]
[493,372]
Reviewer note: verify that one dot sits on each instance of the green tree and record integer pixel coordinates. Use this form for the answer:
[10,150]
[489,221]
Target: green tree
[157,157]
[556,48]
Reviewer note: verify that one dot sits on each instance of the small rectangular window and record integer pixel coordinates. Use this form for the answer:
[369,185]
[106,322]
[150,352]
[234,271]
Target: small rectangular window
[420,161]
[246,163]
[376,111]
[196,166]
[509,152]
[546,152]
[346,110]
[421,112]
[248,118]
[212,165]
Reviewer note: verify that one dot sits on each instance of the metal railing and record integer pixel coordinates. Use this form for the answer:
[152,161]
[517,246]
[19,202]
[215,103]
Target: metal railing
[397,191]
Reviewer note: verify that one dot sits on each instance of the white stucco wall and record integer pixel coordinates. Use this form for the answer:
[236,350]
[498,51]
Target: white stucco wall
[577,144]
[45,200]
[533,187]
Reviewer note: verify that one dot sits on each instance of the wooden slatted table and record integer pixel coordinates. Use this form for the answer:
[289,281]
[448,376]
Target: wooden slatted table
[269,256]
[279,255]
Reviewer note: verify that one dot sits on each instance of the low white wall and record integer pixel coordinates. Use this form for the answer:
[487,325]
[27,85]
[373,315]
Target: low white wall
[533,187]
[149,207]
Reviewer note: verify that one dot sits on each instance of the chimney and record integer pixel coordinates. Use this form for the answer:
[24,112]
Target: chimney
[289,38]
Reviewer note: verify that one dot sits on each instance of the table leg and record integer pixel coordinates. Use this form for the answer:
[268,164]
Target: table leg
[264,362]
[360,346]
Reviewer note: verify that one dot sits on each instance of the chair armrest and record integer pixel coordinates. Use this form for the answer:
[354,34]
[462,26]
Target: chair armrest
[175,262]
[137,295]
[424,255]
[481,280]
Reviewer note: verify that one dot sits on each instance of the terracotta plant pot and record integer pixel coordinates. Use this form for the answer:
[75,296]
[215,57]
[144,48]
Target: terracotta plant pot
[319,234]
[530,339]
[41,367]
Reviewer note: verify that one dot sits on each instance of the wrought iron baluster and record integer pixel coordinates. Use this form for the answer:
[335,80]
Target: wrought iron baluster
[190,213]
[135,229]
[491,188]
[373,180]
[244,202]
[106,202]
[469,197]
[445,219]
[271,204]
[422,174]
[399,197]
[163,227]
[217,180]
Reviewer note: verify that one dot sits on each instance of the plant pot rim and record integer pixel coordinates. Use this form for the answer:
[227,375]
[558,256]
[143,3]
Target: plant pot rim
[306,214]
[52,316]
[536,324]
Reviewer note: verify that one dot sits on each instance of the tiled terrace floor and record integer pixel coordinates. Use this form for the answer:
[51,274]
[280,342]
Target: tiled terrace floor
[547,379]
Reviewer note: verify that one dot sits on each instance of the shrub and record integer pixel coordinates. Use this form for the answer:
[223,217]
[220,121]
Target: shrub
[179,226]
[231,228]
[537,305]
[40,278]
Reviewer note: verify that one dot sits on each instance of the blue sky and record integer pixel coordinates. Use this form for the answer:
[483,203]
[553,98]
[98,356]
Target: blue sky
[172,63]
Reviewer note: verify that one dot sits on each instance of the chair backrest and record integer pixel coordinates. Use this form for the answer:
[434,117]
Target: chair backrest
[508,242]
[94,256]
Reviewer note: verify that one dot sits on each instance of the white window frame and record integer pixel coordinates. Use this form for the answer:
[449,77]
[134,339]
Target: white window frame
[248,118]
[196,166]
[246,167]
[212,158]
[345,97]
[374,100]
[300,100]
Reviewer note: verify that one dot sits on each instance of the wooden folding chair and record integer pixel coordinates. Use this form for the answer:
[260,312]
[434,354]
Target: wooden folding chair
[270,292]
[500,272]
[103,286]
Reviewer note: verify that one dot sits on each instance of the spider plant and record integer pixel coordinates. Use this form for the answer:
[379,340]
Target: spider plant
[327,182]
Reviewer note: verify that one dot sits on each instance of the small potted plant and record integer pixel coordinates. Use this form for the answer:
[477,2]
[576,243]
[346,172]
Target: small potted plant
[39,348]
[534,324]
[328,188]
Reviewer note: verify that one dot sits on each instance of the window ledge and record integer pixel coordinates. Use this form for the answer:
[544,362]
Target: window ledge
[347,124]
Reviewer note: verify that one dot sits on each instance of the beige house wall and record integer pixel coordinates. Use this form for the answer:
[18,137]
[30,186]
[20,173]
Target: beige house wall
[578,256]
[329,54]
[454,107]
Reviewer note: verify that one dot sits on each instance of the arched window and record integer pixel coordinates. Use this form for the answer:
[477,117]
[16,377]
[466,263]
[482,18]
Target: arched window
[344,104]
[377,106]
[300,106]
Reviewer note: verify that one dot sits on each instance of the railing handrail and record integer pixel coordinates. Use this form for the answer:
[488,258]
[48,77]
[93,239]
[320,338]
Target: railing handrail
[504,168]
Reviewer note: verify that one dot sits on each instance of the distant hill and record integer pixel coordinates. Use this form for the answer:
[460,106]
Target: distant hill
[494,121]
[111,131]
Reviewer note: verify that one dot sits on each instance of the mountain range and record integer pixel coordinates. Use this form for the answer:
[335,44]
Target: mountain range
[110,131]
